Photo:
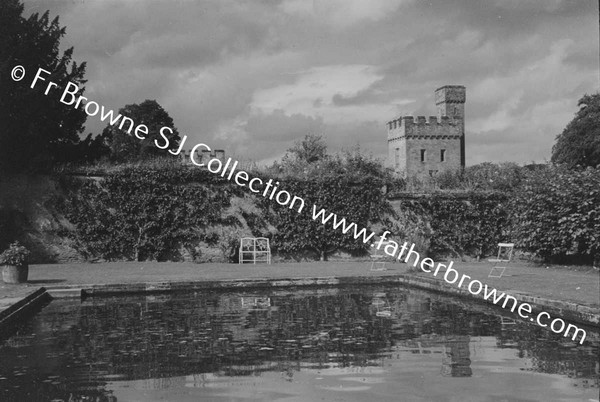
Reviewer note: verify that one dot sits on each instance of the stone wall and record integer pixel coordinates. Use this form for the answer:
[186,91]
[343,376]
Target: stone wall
[408,137]
[432,146]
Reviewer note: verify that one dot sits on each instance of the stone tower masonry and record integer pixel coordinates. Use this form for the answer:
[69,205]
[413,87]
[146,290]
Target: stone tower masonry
[425,147]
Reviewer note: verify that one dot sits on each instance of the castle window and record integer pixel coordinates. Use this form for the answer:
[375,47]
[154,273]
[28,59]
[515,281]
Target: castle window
[397,157]
[422,155]
[442,155]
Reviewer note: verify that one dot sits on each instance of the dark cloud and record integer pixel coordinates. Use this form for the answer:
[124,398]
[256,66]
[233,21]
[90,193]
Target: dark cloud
[524,63]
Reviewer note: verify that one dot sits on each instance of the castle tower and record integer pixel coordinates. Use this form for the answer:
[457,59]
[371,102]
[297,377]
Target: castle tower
[450,101]
[422,147]
[456,361]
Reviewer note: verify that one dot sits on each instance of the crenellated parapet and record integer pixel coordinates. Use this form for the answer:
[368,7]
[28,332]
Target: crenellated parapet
[409,121]
[409,126]
[202,156]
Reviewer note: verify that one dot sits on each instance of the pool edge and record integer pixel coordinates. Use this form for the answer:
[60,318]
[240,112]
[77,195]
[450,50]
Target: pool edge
[566,310]
[24,306]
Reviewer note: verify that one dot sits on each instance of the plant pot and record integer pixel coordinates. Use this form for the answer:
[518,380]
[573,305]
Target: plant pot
[15,273]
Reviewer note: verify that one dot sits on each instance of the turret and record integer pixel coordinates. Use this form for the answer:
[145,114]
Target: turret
[450,101]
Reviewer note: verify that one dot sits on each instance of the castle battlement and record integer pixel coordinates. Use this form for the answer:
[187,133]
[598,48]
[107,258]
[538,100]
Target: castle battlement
[202,156]
[423,146]
[409,121]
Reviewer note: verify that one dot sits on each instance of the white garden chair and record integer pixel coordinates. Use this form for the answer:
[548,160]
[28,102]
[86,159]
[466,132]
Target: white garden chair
[254,249]
[379,257]
[505,252]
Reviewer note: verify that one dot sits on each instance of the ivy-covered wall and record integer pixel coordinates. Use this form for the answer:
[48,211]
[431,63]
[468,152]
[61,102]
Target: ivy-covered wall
[457,224]
[142,213]
[179,213]
[556,214]
[357,201]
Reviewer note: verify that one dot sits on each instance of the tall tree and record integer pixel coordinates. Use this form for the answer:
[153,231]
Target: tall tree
[311,149]
[306,155]
[579,143]
[125,146]
[35,128]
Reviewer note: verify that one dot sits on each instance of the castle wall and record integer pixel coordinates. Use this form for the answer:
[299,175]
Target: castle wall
[432,146]
[397,147]
[201,156]
[408,136]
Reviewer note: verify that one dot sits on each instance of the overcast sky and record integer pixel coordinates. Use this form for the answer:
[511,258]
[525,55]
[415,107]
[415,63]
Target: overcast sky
[252,77]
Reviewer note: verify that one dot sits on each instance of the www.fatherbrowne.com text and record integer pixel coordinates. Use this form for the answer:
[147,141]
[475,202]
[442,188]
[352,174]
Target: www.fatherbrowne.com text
[404,252]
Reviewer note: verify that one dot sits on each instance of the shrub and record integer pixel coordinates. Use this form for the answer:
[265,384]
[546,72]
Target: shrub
[14,255]
[357,201]
[556,213]
[145,213]
[462,224]
[505,177]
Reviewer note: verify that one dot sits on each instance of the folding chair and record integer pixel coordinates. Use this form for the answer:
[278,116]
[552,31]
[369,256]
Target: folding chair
[505,251]
[378,258]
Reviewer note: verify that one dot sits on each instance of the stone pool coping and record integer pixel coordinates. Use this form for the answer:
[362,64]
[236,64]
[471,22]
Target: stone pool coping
[19,307]
[16,308]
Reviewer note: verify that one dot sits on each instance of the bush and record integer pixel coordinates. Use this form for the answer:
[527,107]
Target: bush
[486,176]
[143,213]
[556,213]
[357,201]
[14,255]
[152,211]
[462,224]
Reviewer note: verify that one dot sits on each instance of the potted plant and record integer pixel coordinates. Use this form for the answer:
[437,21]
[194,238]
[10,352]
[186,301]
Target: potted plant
[14,264]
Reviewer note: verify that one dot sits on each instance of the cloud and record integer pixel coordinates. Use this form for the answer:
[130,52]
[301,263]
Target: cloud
[524,111]
[252,77]
[278,126]
[317,92]
[342,13]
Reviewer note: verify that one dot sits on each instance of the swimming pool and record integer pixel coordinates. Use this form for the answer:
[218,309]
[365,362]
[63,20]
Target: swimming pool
[371,343]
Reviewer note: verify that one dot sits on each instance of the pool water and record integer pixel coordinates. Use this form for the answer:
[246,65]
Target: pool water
[348,344]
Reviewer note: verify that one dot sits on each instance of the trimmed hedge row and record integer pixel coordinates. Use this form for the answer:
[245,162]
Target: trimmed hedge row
[553,213]
[142,213]
[556,214]
[357,201]
[149,213]
[465,224]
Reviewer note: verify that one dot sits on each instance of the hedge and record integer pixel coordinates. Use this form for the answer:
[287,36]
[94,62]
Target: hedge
[150,213]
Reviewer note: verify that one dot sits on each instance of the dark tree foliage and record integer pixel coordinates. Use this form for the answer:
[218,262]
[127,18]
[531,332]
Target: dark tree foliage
[86,151]
[311,149]
[556,214]
[35,128]
[579,143]
[348,185]
[146,213]
[357,201]
[471,224]
[126,146]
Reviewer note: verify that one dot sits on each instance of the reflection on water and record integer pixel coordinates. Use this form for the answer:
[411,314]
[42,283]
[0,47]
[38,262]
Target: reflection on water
[369,342]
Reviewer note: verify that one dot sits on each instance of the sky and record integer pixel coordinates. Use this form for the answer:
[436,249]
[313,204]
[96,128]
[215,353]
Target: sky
[253,77]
